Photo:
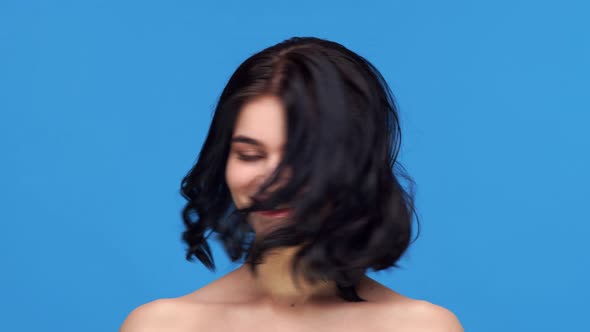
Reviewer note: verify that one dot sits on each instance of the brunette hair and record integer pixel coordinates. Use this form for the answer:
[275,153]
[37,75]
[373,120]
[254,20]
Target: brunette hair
[343,138]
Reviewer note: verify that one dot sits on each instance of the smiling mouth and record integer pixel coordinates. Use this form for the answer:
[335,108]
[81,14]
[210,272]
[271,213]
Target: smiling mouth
[276,212]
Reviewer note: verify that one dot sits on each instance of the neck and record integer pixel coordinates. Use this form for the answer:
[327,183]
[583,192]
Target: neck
[274,284]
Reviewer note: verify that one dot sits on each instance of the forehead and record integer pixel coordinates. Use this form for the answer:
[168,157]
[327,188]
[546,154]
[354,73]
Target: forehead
[264,120]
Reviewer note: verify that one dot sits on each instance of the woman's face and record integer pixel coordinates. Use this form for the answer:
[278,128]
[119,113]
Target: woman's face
[256,149]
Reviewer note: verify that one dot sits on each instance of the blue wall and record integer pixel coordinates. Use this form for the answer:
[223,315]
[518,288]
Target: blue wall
[104,106]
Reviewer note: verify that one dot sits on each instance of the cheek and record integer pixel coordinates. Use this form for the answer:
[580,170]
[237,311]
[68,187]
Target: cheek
[238,179]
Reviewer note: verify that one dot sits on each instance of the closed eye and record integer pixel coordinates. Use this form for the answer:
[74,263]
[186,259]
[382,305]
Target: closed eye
[248,158]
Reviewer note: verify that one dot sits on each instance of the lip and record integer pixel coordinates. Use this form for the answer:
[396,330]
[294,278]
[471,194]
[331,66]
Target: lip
[276,213]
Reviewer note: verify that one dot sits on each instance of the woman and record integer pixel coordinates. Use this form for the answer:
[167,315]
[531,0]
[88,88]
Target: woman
[298,176]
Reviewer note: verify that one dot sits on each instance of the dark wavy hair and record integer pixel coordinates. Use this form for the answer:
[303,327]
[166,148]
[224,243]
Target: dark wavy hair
[343,138]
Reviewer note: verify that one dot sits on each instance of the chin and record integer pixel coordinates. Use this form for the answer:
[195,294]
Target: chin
[263,225]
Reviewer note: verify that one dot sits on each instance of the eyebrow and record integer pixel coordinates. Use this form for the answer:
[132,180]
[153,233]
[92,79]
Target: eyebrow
[247,140]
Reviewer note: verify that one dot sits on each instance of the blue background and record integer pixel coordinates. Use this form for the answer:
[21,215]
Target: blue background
[105,104]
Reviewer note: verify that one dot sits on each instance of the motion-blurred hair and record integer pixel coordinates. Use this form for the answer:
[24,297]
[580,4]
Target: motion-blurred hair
[343,138]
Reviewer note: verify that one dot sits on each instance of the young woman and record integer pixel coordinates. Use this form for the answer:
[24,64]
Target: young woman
[298,176]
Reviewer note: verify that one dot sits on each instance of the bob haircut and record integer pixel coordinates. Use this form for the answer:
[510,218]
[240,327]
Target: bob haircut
[343,138]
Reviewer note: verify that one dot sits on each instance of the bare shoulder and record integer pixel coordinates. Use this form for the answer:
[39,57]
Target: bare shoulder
[420,315]
[153,316]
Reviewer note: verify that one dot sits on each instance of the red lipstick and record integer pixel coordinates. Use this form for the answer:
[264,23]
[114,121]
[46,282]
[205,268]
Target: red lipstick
[276,213]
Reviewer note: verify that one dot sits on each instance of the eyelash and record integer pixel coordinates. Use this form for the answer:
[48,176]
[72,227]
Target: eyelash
[248,158]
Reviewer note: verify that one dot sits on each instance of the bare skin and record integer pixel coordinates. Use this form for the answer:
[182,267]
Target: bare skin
[230,299]
[228,304]
[270,302]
